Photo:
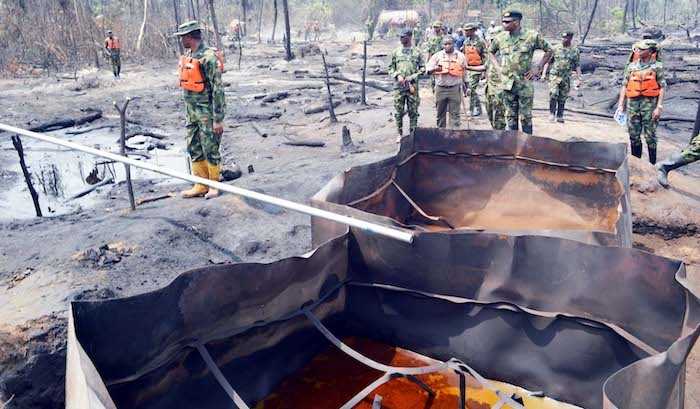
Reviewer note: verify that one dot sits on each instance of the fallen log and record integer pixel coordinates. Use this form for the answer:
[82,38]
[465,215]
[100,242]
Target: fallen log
[82,131]
[90,189]
[313,143]
[372,84]
[144,133]
[258,116]
[320,108]
[154,199]
[63,123]
[275,96]
[259,130]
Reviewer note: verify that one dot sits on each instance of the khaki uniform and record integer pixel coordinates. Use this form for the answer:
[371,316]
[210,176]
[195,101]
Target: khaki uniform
[448,94]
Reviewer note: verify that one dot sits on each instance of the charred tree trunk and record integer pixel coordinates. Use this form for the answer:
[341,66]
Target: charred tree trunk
[190,10]
[331,111]
[244,26]
[212,12]
[364,74]
[27,177]
[142,31]
[274,22]
[665,6]
[590,21]
[624,16]
[262,7]
[176,8]
[633,11]
[288,30]
[122,142]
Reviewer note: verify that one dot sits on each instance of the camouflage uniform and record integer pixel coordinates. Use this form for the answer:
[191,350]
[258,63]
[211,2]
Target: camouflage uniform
[114,56]
[474,102]
[516,52]
[434,46]
[692,152]
[495,108]
[204,109]
[678,160]
[640,110]
[561,63]
[417,36]
[409,63]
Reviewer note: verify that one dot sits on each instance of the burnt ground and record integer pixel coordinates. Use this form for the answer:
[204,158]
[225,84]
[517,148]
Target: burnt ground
[100,249]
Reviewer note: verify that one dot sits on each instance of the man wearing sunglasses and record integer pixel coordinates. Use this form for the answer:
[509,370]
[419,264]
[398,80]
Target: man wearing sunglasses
[516,48]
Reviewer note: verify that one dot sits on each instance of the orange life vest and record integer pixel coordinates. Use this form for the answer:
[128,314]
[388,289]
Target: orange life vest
[642,84]
[450,65]
[219,58]
[472,54]
[190,74]
[635,55]
[112,43]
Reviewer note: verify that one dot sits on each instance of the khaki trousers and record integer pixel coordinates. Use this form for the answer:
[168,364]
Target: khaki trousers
[448,98]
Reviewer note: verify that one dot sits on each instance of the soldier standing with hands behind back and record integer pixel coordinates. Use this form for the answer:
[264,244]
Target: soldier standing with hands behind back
[516,49]
[566,57]
[205,104]
[405,67]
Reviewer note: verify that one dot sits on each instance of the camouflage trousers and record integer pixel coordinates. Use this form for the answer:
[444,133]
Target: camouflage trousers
[448,99]
[639,112]
[559,88]
[202,144]
[116,61]
[518,103]
[405,102]
[692,152]
[474,102]
[495,109]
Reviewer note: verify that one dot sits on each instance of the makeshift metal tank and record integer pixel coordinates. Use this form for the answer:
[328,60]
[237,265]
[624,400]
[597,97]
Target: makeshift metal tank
[588,325]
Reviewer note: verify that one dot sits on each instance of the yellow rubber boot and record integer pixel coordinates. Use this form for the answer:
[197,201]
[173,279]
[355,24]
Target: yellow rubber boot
[214,173]
[198,169]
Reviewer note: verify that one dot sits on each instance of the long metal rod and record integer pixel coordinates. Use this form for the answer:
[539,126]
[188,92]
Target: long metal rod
[311,211]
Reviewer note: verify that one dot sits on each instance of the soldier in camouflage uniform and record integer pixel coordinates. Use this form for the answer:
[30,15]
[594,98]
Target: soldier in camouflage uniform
[406,66]
[516,48]
[417,35]
[689,155]
[644,84]
[114,50]
[566,57]
[434,45]
[205,112]
[648,36]
[474,49]
[495,109]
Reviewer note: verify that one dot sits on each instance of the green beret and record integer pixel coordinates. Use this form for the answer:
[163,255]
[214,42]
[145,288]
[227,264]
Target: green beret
[567,34]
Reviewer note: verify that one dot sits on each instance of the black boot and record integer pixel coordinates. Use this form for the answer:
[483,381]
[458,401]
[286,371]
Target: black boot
[636,150]
[675,161]
[552,109]
[652,154]
[560,112]
[527,129]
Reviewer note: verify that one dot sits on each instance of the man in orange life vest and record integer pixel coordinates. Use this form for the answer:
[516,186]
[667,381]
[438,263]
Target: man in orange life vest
[205,105]
[450,69]
[644,84]
[474,49]
[113,49]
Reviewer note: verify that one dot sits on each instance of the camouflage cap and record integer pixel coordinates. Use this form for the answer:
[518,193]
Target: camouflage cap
[644,45]
[186,28]
[471,26]
[514,14]
[437,24]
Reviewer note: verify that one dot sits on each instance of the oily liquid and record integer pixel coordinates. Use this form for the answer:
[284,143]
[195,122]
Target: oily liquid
[332,378]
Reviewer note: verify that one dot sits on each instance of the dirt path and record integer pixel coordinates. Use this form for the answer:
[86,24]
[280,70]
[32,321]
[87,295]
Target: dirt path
[102,250]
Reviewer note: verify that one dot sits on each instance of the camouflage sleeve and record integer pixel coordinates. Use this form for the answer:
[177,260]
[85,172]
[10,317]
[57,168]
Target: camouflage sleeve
[626,76]
[392,66]
[494,47]
[213,76]
[577,59]
[542,43]
[660,75]
[659,58]
[421,66]
[482,50]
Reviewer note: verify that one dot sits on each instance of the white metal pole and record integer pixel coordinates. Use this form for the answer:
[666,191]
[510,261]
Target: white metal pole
[311,211]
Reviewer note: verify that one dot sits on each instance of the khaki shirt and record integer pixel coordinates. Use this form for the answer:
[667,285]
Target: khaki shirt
[447,80]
